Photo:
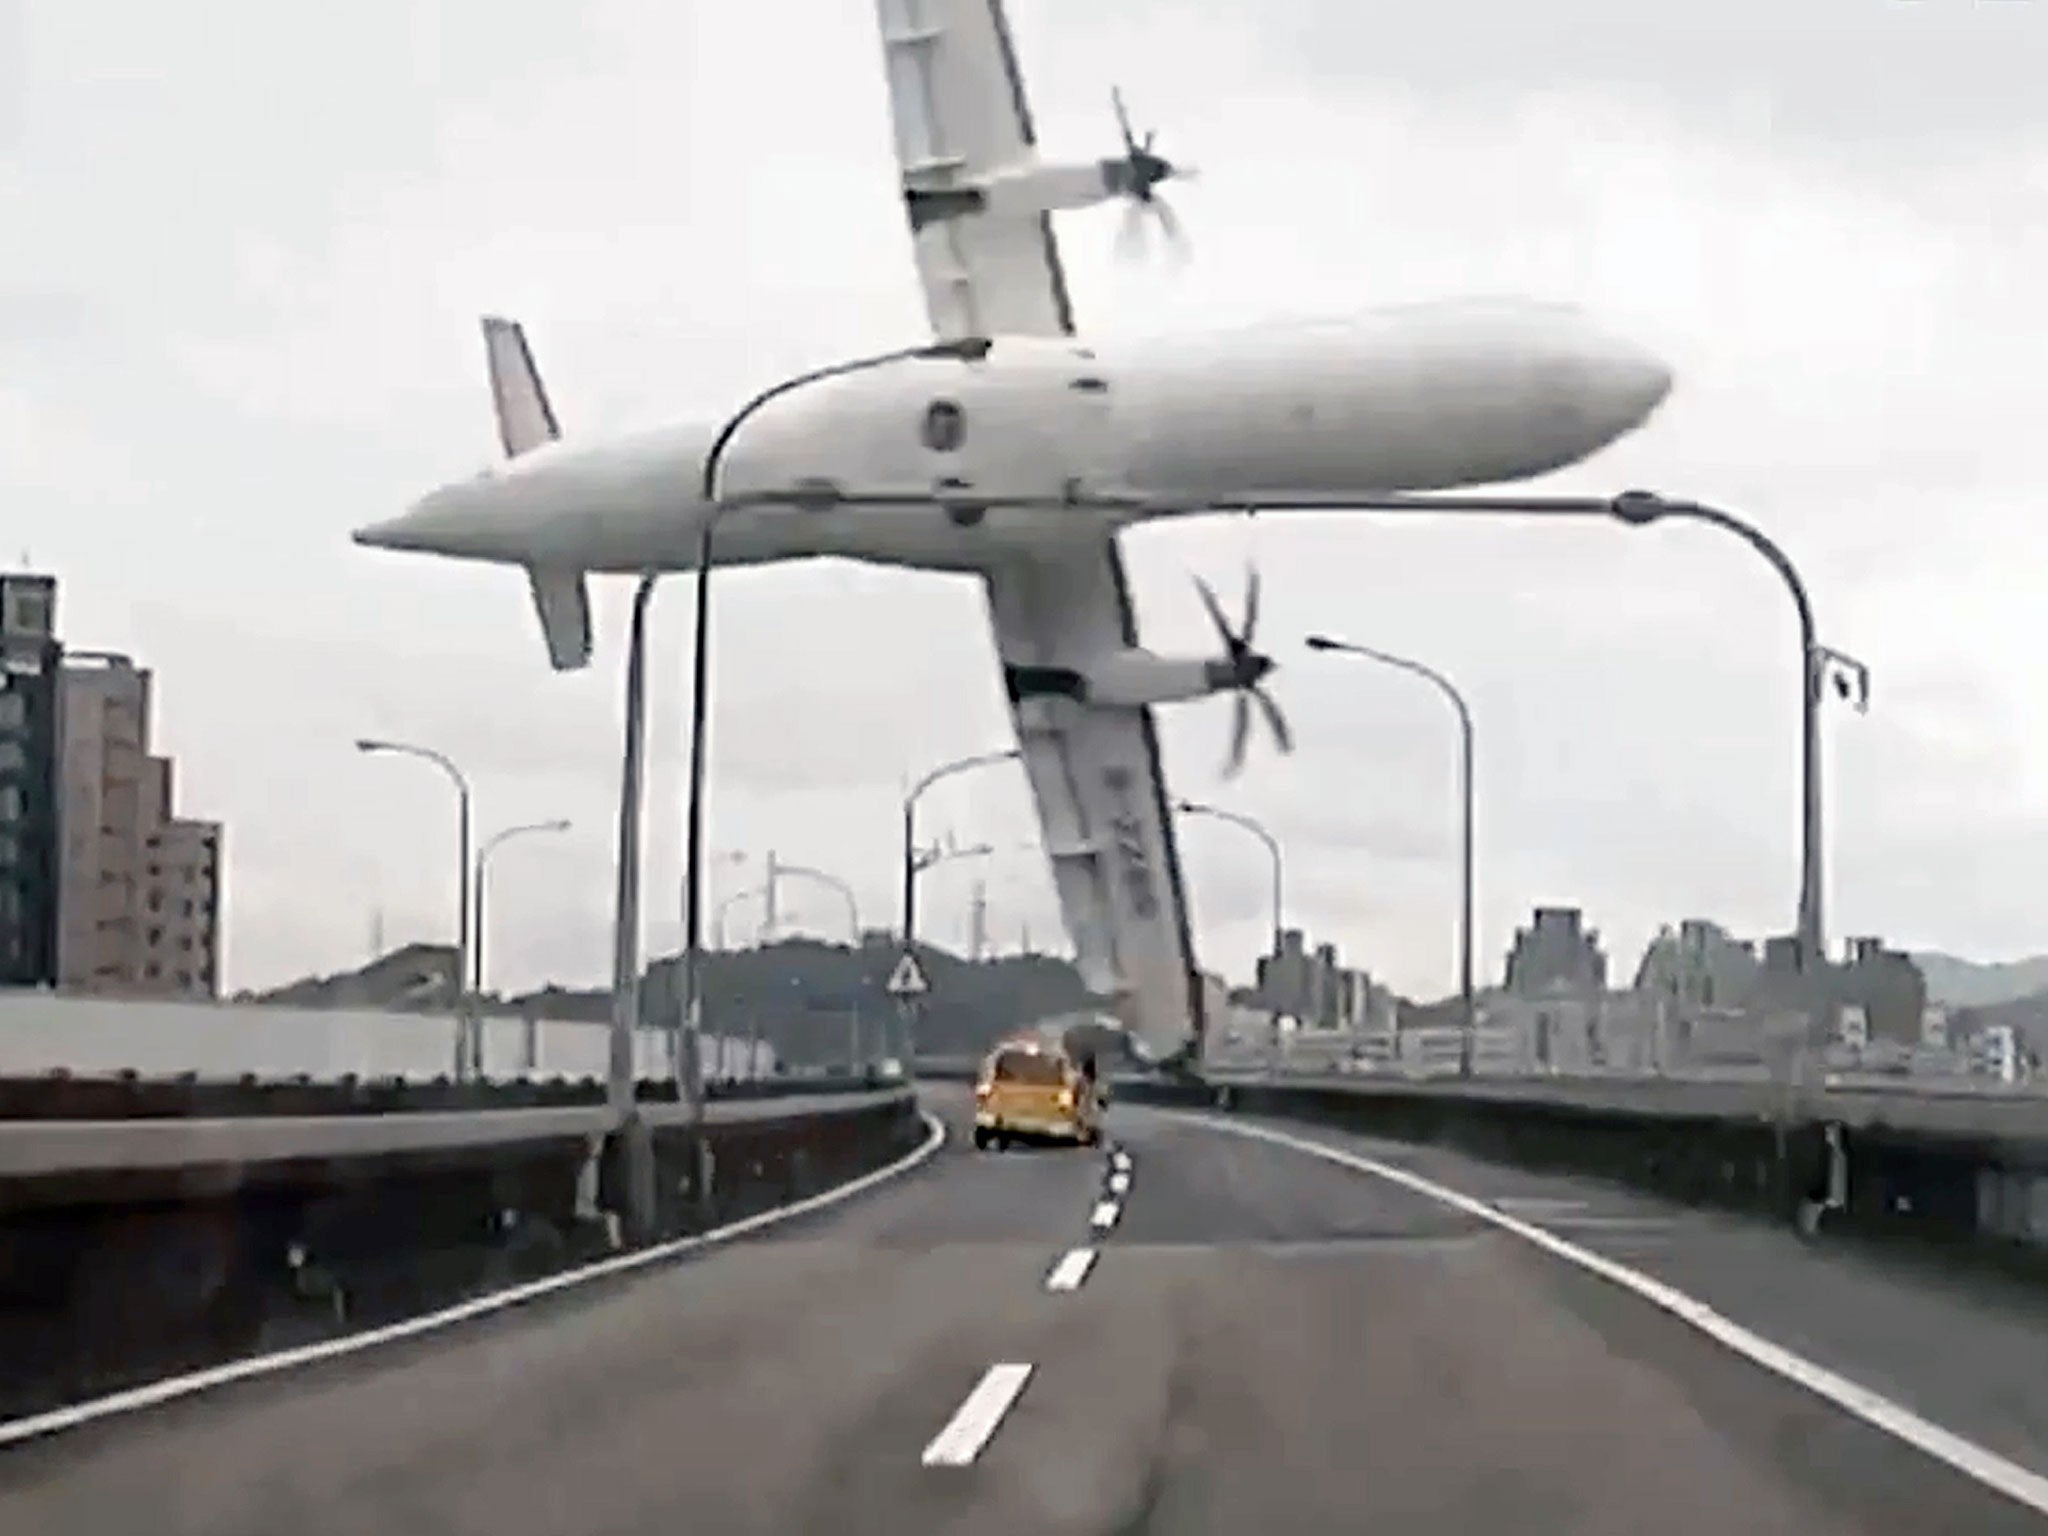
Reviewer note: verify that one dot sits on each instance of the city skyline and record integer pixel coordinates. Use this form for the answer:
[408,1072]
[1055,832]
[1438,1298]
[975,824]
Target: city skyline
[299,356]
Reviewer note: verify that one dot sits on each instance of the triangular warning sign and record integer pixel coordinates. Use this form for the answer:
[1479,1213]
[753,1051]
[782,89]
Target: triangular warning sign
[907,980]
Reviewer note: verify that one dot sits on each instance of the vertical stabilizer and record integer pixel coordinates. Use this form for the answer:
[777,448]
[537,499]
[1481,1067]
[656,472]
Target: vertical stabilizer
[525,419]
[525,422]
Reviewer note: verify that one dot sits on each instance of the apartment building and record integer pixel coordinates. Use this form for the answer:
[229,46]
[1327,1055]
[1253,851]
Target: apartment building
[139,887]
[1556,953]
[30,663]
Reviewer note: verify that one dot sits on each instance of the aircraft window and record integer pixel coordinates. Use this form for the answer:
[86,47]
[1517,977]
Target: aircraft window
[945,426]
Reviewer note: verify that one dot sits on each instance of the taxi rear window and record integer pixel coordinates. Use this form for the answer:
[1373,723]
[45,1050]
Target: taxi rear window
[1028,1067]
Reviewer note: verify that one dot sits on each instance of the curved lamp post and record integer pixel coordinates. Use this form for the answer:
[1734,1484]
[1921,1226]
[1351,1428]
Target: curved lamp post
[913,866]
[1468,1011]
[483,858]
[1258,830]
[464,923]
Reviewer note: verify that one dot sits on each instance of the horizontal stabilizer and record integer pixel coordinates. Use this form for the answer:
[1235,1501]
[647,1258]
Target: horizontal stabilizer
[562,599]
[525,419]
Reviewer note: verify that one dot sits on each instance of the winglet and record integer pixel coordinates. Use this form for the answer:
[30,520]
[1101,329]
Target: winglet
[525,419]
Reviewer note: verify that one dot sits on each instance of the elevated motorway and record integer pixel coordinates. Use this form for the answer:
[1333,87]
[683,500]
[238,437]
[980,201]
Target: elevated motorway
[1220,1324]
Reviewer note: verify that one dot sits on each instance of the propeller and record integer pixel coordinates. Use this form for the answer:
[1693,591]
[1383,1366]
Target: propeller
[1134,177]
[1243,670]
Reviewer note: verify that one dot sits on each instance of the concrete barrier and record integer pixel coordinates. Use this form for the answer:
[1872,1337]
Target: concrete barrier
[133,1248]
[1967,1169]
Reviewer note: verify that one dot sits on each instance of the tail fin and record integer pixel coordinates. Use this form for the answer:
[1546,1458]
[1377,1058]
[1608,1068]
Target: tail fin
[526,421]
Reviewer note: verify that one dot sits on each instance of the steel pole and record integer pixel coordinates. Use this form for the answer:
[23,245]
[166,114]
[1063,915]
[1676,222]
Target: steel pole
[480,881]
[1258,830]
[464,917]
[691,1042]
[1468,1009]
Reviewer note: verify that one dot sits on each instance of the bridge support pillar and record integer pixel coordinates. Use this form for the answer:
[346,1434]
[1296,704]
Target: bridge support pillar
[627,1180]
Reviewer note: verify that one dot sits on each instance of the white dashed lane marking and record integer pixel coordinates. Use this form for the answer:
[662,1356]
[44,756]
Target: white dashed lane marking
[976,1419]
[1105,1214]
[1071,1270]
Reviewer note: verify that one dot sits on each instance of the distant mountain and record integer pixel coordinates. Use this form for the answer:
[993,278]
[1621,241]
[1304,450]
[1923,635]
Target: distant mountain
[1957,983]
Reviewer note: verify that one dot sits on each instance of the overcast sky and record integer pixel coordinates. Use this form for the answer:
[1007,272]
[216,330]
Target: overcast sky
[245,245]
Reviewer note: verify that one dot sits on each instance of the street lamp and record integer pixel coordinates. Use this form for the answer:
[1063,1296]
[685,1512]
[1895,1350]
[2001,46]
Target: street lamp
[718,917]
[483,856]
[1235,818]
[1449,690]
[806,872]
[1635,507]
[964,349]
[463,921]
[1816,660]
[913,866]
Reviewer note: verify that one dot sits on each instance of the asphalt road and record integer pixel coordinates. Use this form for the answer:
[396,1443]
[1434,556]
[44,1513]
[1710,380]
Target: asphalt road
[1262,1341]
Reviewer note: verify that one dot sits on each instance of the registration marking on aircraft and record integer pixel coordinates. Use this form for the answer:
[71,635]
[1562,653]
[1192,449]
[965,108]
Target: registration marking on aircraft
[976,1420]
[1105,1214]
[1071,1270]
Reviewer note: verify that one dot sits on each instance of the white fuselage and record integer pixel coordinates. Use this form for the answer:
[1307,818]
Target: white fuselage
[1409,398]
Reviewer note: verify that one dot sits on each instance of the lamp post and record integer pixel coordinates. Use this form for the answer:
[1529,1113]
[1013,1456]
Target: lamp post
[806,872]
[1238,819]
[966,349]
[483,857]
[912,866]
[1634,507]
[463,919]
[718,918]
[1467,1012]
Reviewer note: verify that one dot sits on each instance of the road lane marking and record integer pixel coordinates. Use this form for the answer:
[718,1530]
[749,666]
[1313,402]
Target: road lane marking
[976,1419]
[1071,1270]
[1120,1160]
[1104,1214]
[1119,1183]
[171,1388]
[2020,1484]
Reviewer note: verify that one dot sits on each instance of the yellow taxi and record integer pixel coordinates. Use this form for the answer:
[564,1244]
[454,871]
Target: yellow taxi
[1034,1090]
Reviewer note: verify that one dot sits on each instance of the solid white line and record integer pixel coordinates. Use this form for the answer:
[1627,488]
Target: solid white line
[171,1388]
[2018,1483]
[1119,1183]
[1071,1270]
[1104,1214]
[976,1419]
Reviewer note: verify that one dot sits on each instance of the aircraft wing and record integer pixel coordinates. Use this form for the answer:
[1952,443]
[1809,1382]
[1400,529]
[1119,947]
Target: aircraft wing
[1101,793]
[957,99]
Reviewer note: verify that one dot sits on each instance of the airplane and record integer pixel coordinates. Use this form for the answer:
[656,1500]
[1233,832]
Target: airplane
[1394,399]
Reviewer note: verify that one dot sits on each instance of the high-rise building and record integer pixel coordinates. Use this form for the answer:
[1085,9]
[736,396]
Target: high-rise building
[139,886]
[1556,953]
[30,664]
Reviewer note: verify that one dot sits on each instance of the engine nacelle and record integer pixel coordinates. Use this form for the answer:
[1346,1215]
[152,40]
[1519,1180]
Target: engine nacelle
[1125,679]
